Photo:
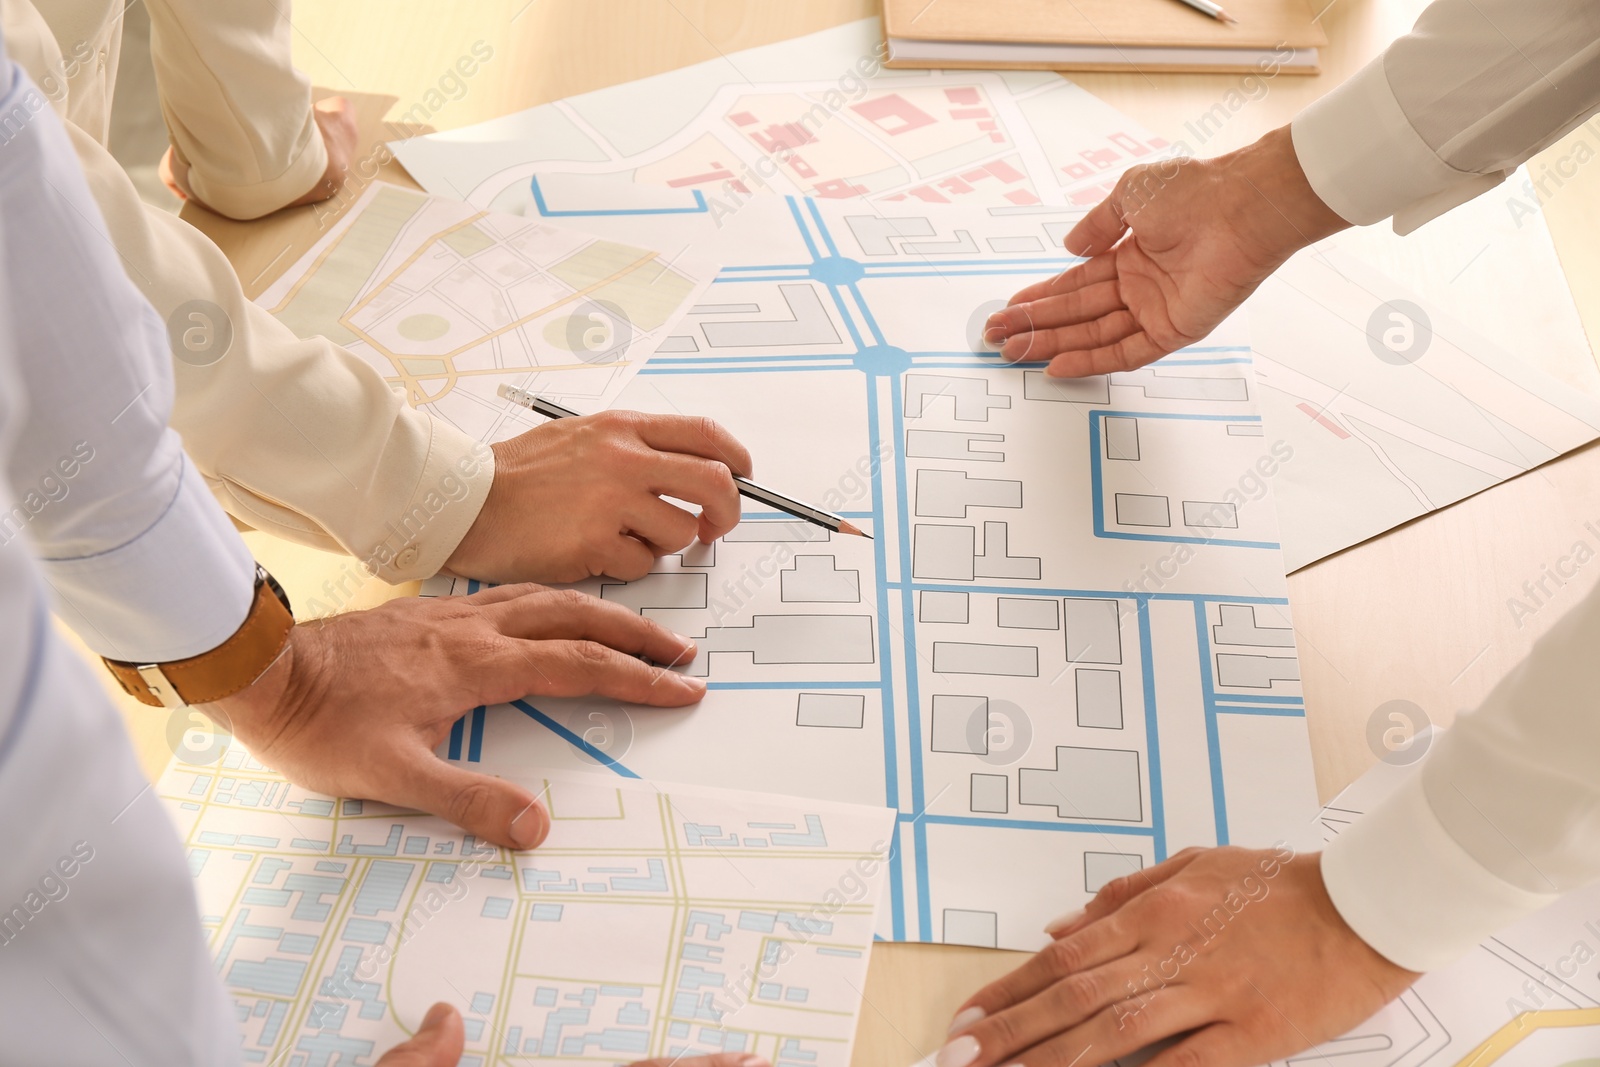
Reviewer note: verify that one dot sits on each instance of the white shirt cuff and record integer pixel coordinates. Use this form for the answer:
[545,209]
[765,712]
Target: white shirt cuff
[1410,891]
[1367,162]
[179,589]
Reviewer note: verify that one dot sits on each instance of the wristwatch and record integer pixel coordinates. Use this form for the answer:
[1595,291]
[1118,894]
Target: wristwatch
[224,670]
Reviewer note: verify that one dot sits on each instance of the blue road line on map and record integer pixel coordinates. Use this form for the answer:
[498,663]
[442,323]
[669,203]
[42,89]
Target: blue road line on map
[891,765]
[457,731]
[1105,594]
[1219,803]
[794,685]
[1097,504]
[475,735]
[1147,674]
[700,208]
[839,277]
[1129,830]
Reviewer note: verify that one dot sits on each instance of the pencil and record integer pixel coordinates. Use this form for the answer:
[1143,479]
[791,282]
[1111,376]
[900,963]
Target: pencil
[754,490]
[1212,9]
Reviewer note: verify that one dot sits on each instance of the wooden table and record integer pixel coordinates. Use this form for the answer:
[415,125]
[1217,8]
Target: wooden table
[1418,614]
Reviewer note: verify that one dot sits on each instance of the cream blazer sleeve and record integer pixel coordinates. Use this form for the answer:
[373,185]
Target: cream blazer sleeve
[295,437]
[237,110]
[1451,108]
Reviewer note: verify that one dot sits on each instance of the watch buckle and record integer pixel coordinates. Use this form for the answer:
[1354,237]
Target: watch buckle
[155,679]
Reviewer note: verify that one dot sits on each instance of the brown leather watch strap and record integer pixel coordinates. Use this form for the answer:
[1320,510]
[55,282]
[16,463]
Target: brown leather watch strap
[224,670]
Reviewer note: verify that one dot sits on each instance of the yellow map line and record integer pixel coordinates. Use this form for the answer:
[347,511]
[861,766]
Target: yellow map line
[433,375]
[450,374]
[1524,1025]
[406,264]
[517,323]
[316,264]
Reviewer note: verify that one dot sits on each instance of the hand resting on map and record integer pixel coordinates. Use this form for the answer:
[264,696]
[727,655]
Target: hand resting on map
[1238,954]
[1175,248]
[576,498]
[357,703]
[335,118]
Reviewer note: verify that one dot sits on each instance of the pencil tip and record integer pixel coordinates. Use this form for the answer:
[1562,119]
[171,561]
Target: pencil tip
[851,528]
[1225,17]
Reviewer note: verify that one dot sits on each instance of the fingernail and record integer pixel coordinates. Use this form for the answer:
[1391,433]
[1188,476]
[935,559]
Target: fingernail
[754,1061]
[528,828]
[691,683]
[1056,925]
[958,1053]
[965,1018]
[436,1015]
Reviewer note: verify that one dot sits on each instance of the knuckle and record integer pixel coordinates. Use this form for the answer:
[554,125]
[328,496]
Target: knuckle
[591,654]
[720,477]
[1116,891]
[1177,898]
[1003,1031]
[530,588]
[470,804]
[481,646]
[1063,957]
[634,562]
[674,544]
[572,599]
[632,566]
[1137,1022]
[683,521]
[1082,993]
[1165,899]
[1187,1055]
[619,447]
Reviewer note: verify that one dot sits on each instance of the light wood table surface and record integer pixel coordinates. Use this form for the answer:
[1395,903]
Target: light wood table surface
[1418,614]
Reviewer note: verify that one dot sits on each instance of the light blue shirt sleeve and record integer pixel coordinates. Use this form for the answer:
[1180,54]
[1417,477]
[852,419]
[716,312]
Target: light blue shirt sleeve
[143,563]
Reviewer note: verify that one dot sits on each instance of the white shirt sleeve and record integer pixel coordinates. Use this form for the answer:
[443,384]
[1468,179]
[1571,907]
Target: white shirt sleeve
[142,560]
[1503,818]
[1450,109]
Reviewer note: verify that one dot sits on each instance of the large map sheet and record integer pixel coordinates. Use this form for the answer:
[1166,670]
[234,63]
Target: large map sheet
[797,117]
[1066,655]
[1527,997]
[800,117]
[1394,407]
[654,921]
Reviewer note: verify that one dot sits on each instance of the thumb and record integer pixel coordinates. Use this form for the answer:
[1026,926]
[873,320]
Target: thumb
[490,808]
[438,1043]
[1101,228]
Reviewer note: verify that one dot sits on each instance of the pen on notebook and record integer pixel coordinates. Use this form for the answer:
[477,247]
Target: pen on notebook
[755,491]
[1214,10]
